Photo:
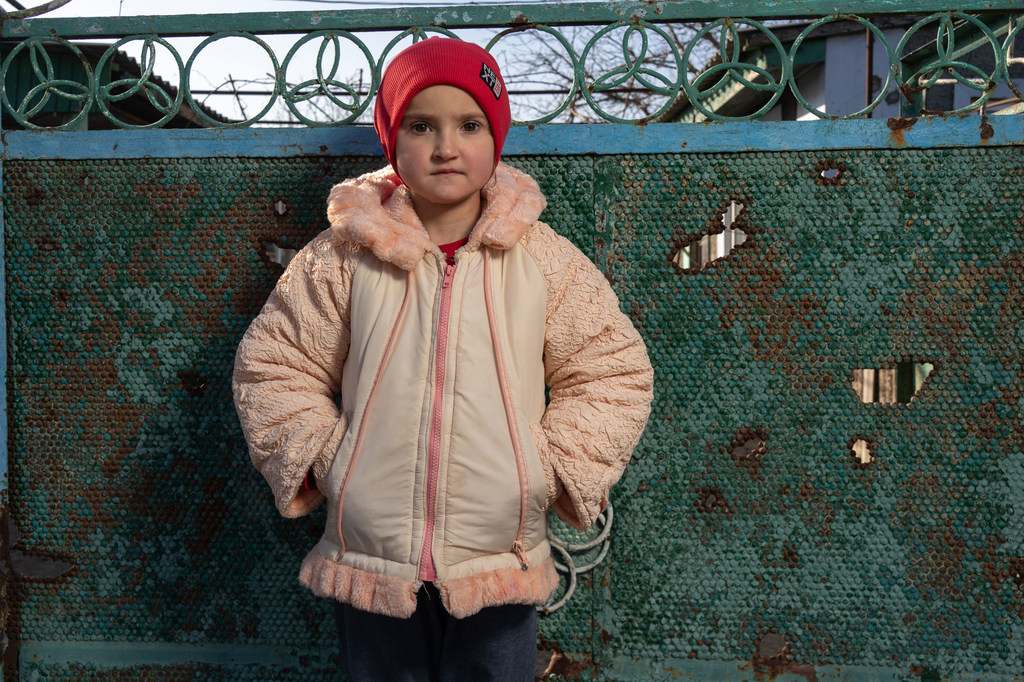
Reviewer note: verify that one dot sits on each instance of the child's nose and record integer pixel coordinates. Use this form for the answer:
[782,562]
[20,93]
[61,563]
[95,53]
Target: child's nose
[445,146]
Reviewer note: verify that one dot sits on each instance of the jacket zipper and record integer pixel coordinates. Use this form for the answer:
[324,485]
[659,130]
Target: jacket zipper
[427,569]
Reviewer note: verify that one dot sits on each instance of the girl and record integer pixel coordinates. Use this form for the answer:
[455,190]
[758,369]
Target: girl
[438,308]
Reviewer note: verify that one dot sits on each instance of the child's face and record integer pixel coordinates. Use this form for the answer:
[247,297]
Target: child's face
[444,150]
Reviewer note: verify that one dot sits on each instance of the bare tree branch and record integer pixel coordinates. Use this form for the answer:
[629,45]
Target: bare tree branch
[537,59]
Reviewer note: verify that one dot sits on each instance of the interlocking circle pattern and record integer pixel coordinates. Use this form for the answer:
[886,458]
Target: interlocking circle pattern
[638,55]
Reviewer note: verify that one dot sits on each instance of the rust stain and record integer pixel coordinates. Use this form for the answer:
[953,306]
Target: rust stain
[746,448]
[899,126]
[925,672]
[986,130]
[909,91]
[35,197]
[772,659]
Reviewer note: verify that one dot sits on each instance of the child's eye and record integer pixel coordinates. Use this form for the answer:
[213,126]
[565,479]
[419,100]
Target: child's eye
[471,126]
[419,127]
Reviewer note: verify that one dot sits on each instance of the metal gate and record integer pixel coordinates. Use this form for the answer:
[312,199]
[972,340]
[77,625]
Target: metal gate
[785,516]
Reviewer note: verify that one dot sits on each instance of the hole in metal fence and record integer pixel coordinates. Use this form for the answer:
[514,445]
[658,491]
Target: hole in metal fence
[278,254]
[861,450]
[829,172]
[890,385]
[703,251]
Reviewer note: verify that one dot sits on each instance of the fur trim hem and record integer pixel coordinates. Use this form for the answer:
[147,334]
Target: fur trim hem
[465,596]
[387,595]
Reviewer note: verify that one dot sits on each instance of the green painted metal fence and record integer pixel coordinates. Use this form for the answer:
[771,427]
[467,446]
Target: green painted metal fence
[777,522]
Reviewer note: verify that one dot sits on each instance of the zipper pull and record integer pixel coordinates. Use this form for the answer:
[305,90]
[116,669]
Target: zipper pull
[449,275]
[517,547]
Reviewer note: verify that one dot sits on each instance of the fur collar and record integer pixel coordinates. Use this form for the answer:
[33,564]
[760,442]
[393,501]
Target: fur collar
[375,210]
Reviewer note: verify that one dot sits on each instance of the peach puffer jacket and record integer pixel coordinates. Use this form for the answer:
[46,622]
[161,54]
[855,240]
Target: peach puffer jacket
[442,459]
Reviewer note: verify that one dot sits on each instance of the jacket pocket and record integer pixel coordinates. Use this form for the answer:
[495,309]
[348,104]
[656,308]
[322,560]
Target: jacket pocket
[543,448]
[324,462]
[338,464]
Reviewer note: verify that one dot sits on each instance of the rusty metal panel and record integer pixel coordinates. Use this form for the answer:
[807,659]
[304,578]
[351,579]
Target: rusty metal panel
[749,530]
[130,284]
[750,537]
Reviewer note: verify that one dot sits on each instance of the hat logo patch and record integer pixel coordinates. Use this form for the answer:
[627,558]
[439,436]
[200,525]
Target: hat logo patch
[491,79]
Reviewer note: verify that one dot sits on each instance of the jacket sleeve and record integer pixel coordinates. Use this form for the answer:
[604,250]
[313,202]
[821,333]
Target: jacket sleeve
[288,373]
[601,387]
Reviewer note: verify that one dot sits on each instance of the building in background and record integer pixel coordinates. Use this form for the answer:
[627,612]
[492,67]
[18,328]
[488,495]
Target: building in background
[130,104]
[830,72]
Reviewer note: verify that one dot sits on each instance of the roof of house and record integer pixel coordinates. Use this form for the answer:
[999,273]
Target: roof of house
[137,109]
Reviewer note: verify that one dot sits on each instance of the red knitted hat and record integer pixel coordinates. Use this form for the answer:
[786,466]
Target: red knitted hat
[441,61]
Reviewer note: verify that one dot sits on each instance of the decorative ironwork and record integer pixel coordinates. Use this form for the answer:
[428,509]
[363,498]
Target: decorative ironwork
[879,37]
[50,86]
[590,550]
[729,67]
[165,102]
[33,11]
[720,56]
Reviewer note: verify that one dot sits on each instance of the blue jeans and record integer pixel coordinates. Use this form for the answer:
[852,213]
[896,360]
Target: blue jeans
[497,643]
